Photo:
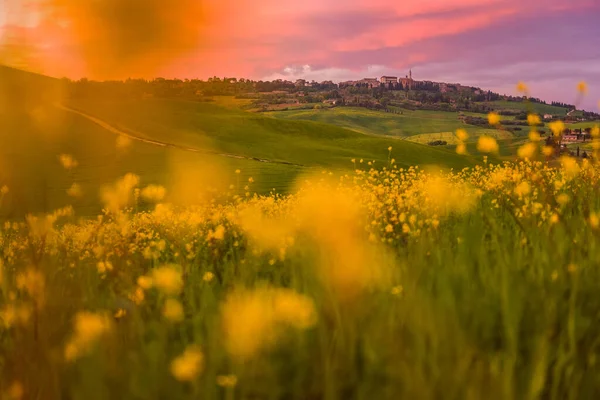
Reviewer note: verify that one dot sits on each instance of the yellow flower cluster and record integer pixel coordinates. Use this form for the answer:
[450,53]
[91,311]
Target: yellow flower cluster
[252,318]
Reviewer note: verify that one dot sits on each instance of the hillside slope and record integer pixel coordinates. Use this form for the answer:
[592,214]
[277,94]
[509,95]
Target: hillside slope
[34,132]
[307,143]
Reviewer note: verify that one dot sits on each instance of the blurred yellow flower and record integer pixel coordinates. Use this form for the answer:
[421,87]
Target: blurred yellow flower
[75,190]
[493,118]
[145,282]
[123,142]
[167,279]
[251,318]
[523,189]
[4,190]
[390,148]
[208,276]
[67,161]
[461,149]
[533,119]
[570,166]
[534,136]
[188,365]
[487,144]
[547,151]
[557,127]
[522,87]
[527,150]
[89,327]
[227,380]
[596,131]
[173,310]
[582,87]
[462,135]
[15,391]
[153,193]
[397,290]
[563,199]
[594,220]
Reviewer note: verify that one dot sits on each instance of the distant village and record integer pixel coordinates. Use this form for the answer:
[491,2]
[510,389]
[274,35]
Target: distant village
[395,83]
[390,94]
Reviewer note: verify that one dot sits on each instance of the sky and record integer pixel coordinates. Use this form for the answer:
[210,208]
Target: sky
[550,45]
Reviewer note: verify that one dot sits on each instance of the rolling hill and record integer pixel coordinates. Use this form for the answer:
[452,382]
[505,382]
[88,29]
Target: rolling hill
[38,124]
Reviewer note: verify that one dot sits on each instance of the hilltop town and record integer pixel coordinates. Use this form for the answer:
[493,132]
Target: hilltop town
[386,93]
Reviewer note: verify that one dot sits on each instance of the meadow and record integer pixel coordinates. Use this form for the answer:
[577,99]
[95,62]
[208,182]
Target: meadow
[382,283]
[145,255]
[408,124]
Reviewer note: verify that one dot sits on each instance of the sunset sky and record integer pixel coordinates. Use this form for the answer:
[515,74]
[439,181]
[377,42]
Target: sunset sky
[551,45]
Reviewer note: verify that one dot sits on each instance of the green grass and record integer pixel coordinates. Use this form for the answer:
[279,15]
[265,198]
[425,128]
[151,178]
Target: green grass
[362,120]
[306,143]
[542,109]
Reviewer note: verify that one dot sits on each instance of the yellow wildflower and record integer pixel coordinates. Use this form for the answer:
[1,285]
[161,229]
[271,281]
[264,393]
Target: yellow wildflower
[523,189]
[534,136]
[570,166]
[153,193]
[461,149]
[527,150]
[217,234]
[167,279]
[123,142]
[227,380]
[487,144]
[522,87]
[173,310]
[582,87]
[189,365]
[397,290]
[462,135]
[547,151]
[594,220]
[145,282]
[75,190]
[557,127]
[208,276]
[533,119]
[493,118]
[563,199]
[67,161]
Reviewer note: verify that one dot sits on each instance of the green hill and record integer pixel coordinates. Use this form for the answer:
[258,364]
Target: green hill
[409,123]
[35,131]
[306,143]
[502,105]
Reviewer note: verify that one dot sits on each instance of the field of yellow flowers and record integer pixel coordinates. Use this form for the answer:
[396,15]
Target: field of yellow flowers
[385,283]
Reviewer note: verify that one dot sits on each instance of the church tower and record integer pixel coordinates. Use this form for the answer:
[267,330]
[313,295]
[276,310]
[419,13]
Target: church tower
[410,74]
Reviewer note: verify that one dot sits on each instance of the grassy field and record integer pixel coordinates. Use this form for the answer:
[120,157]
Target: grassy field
[305,143]
[409,123]
[521,106]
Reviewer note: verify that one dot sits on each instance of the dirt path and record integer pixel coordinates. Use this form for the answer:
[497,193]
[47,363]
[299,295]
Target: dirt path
[140,138]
